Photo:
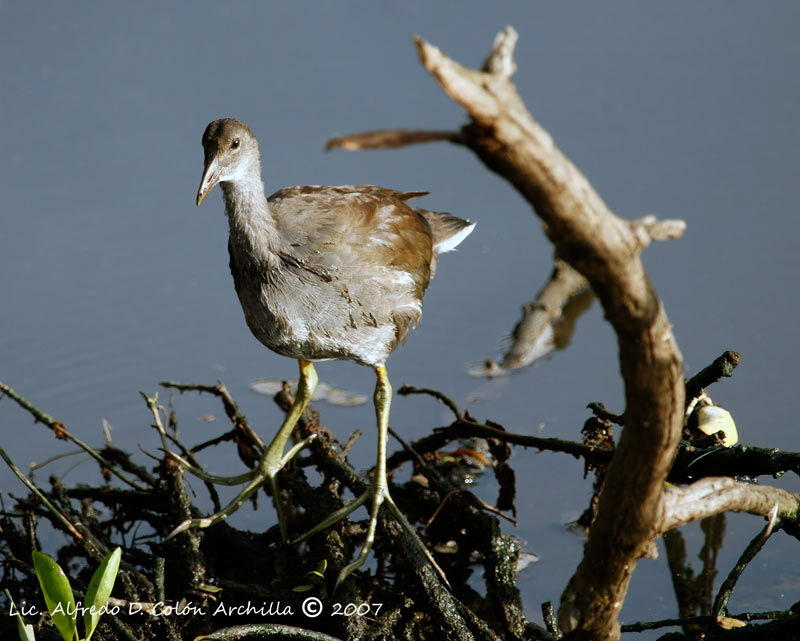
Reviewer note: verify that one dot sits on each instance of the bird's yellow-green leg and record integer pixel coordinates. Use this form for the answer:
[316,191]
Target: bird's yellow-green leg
[378,491]
[210,478]
[270,463]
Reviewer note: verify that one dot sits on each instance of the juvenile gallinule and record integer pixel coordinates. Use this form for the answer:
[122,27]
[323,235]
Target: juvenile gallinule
[323,273]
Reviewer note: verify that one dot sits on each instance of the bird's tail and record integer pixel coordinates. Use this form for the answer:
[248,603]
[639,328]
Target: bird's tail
[448,231]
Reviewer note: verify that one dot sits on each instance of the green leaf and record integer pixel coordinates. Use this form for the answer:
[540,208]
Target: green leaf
[99,590]
[24,630]
[320,571]
[57,594]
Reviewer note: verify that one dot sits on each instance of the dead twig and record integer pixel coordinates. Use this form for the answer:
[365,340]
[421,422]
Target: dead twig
[61,432]
[407,390]
[40,495]
[753,548]
[722,366]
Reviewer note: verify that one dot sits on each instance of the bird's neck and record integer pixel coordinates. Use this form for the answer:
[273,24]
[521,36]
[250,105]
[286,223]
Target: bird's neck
[252,225]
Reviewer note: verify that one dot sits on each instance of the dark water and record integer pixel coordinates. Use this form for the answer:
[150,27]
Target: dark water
[114,280]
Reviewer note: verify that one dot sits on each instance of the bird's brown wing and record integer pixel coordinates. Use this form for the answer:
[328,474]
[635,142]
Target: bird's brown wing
[353,229]
[344,190]
[366,238]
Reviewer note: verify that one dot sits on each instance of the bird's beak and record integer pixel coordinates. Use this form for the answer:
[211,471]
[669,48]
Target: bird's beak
[210,178]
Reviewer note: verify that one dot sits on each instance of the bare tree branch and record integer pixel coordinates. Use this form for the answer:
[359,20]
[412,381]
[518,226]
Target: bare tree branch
[391,138]
[717,494]
[605,249]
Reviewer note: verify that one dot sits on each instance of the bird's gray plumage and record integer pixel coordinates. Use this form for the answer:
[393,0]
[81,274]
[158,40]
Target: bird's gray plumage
[323,272]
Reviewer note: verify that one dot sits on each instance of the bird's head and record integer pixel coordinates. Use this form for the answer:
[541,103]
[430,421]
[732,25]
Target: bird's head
[231,154]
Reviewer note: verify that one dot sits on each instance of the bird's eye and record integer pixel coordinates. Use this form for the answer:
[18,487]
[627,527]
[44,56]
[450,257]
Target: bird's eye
[235,143]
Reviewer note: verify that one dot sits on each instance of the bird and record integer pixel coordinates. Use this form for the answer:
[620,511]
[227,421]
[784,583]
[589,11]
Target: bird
[323,273]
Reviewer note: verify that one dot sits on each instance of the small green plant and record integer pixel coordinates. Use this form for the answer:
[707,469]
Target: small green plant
[61,601]
[315,577]
[24,630]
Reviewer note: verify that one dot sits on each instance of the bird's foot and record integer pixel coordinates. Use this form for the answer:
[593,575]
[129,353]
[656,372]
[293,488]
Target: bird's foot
[256,478]
[379,493]
[210,478]
[268,467]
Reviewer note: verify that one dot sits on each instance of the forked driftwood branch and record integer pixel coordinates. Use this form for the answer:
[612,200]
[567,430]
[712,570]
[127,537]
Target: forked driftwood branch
[605,249]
